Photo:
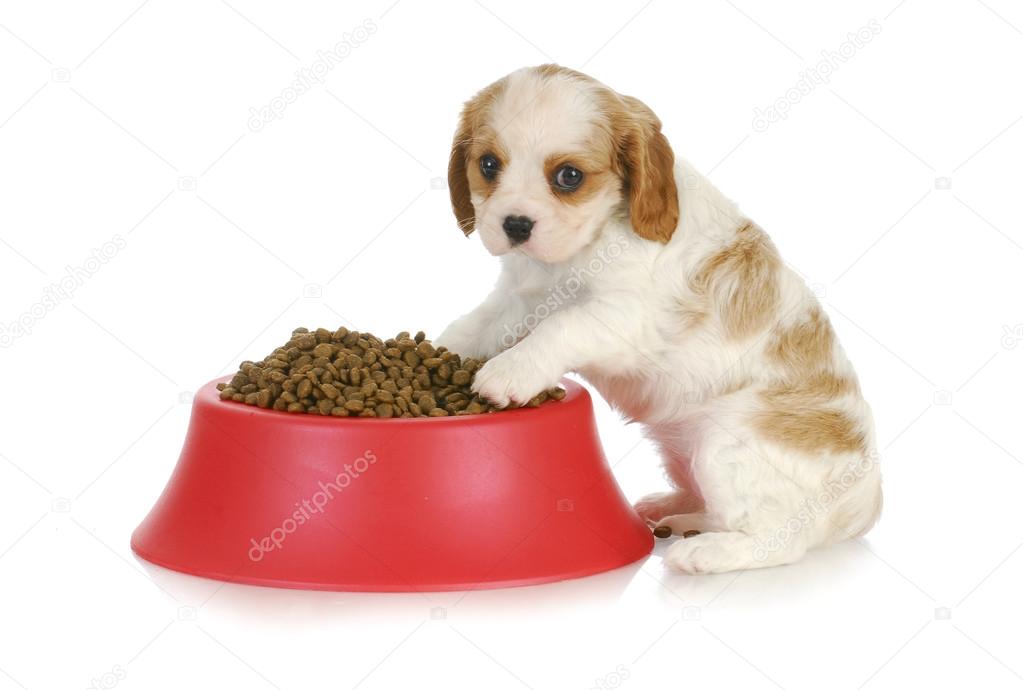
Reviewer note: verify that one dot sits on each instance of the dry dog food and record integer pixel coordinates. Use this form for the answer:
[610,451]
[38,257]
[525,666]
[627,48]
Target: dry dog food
[662,531]
[351,374]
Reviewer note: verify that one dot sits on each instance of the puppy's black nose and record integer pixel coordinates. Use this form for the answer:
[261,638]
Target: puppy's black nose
[517,228]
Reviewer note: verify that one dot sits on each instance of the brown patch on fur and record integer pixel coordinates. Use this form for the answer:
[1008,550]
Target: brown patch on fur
[741,282]
[798,406]
[646,165]
[552,70]
[811,429]
[642,157]
[595,165]
[468,134]
[483,142]
[809,389]
[806,352]
[807,346]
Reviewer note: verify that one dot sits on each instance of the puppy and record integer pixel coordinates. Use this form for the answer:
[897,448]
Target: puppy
[630,268]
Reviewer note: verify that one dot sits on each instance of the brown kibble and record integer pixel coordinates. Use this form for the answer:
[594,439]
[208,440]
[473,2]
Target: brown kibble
[538,400]
[323,350]
[690,533]
[662,531]
[345,373]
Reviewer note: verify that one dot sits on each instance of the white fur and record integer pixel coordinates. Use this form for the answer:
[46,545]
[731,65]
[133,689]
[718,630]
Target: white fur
[620,328]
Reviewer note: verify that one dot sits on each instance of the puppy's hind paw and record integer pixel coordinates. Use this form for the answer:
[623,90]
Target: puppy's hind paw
[653,507]
[713,552]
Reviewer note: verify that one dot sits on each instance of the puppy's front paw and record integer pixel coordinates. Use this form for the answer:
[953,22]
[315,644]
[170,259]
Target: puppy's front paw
[512,377]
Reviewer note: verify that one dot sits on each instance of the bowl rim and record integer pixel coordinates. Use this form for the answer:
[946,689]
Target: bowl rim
[209,394]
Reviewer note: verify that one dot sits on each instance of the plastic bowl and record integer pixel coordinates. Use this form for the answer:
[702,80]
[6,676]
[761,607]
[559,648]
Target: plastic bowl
[360,504]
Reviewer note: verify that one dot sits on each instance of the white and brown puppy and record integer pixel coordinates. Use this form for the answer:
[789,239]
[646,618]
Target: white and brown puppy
[627,266]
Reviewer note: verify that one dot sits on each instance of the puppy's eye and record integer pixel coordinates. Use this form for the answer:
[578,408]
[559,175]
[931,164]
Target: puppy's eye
[568,178]
[489,166]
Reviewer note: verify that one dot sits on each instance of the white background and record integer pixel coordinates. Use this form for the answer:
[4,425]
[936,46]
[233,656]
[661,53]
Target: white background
[131,121]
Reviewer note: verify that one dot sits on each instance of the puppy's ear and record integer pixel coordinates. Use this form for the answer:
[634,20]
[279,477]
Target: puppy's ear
[458,180]
[473,117]
[647,163]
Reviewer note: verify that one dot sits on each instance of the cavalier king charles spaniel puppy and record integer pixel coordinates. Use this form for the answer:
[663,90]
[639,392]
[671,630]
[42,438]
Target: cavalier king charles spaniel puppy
[625,265]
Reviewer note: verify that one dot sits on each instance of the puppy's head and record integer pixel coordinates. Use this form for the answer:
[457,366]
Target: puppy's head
[543,157]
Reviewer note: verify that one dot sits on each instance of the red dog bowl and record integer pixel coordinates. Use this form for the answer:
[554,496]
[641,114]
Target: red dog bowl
[360,504]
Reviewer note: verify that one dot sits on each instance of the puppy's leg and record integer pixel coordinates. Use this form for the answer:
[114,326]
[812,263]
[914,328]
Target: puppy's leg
[655,507]
[576,337]
[752,494]
[684,499]
[486,330]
